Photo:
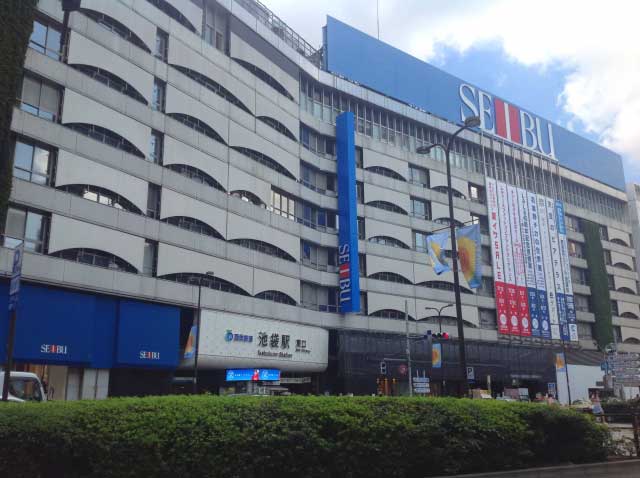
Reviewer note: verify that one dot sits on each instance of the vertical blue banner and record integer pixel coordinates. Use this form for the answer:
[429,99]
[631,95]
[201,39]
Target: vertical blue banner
[349,269]
[566,272]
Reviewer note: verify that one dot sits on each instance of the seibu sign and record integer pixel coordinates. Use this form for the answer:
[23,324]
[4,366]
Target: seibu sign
[503,119]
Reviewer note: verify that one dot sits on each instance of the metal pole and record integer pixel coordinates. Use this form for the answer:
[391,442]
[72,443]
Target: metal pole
[456,277]
[406,322]
[195,357]
[10,344]
[566,370]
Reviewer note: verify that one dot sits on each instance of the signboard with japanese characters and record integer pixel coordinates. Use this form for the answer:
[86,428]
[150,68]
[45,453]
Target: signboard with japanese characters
[502,311]
[230,340]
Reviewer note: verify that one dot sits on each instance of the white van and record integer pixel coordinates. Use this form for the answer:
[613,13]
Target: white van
[24,387]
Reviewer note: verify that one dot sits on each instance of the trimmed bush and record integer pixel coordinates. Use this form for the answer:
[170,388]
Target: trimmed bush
[290,436]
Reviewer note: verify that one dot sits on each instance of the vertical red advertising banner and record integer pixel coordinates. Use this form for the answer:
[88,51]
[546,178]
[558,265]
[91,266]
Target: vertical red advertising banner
[508,263]
[502,310]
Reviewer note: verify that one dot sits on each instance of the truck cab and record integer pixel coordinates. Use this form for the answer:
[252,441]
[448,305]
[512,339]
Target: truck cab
[24,387]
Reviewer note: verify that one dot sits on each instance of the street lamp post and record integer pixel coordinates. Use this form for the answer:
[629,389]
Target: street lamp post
[439,311]
[470,122]
[198,323]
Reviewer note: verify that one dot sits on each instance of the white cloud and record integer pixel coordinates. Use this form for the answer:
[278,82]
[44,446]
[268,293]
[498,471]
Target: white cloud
[597,43]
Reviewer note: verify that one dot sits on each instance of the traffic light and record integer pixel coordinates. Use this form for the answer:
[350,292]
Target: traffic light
[441,336]
[383,368]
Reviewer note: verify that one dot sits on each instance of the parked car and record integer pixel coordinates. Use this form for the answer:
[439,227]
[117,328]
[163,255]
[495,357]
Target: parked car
[24,387]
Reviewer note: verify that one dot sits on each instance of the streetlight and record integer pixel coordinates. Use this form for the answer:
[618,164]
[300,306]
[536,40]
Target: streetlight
[198,323]
[470,122]
[439,311]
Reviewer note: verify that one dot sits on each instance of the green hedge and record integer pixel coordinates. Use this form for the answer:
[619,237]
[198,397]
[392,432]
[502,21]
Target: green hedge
[212,436]
[17,23]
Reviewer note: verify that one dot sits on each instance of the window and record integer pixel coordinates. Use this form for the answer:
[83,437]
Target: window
[611,282]
[276,296]
[419,176]
[476,193]
[102,196]
[359,155]
[385,172]
[195,175]
[486,287]
[159,95]
[317,143]
[420,241]
[442,285]
[279,127]
[153,201]
[362,264]
[46,39]
[582,303]
[585,331]
[150,258]
[486,255]
[32,162]
[283,205]
[28,225]
[487,318]
[575,249]
[572,223]
[155,147]
[193,225]
[264,76]
[604,233]
[216,26]
[213,86]
[388,241]
[387,206]
[112,81]
[162,45]
[361,232]
[116,27]
[420,208]
[614,307]
[248,196]
[211,282]
[94,257]
[263,247]
[580,276]
[40,98]
[607,256]
[315,179]
[445,190]
[389,277]
[174,13]
[106,136]
[390,314]
[264,160]
[360,192]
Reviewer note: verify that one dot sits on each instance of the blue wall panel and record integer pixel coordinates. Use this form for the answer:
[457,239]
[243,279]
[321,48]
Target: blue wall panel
[348,263]
[355,55]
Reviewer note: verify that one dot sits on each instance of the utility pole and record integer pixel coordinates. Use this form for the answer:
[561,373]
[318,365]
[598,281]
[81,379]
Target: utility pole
[406,322]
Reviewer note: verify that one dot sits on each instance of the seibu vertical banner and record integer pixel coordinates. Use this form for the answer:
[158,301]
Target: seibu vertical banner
[538,265]
[348,267]
[566,272]
[518,262]
[552,302]
[507,254]
[558,278]
[529,267]
[502,311]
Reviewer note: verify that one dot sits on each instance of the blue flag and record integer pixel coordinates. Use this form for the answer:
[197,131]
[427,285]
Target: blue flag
[436,245]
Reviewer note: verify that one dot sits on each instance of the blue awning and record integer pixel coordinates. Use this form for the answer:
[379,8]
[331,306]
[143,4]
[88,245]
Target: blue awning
[148,335]
[58,326]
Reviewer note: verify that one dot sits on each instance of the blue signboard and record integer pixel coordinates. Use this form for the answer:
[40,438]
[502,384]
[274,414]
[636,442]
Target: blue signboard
[348,267]
[253,374]
[357,56]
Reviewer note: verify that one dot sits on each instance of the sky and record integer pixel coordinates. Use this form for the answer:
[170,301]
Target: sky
[574,62]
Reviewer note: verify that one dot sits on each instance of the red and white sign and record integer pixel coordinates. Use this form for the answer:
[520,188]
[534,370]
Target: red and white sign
[518,260]
[502,310]
[509,266]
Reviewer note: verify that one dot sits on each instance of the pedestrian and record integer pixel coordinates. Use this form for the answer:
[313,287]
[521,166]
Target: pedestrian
[596,407]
